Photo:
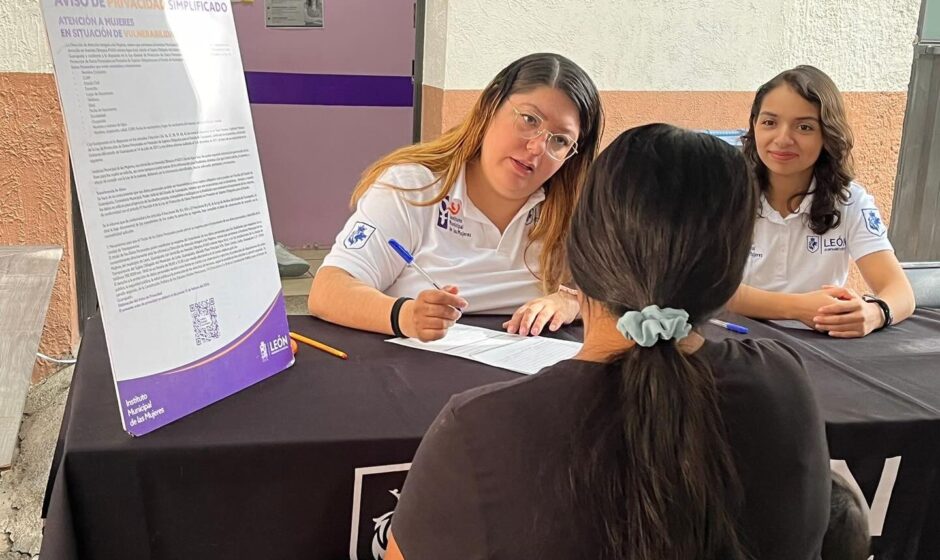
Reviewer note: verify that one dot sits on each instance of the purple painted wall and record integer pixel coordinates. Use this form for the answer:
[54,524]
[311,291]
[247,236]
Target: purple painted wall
[312,155]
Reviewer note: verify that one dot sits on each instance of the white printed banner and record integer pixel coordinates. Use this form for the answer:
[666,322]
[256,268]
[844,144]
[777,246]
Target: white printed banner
[169,181]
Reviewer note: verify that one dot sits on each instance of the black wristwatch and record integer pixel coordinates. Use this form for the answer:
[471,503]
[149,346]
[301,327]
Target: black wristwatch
[884,309]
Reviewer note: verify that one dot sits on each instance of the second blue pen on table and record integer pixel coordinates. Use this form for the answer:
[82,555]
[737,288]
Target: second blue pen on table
[730,326]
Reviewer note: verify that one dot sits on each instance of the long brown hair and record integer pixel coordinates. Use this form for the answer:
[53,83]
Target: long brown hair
[665,218]
[833,170]
[446,156]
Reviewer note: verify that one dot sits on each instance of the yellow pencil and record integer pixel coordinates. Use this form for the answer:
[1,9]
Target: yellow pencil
[319,346]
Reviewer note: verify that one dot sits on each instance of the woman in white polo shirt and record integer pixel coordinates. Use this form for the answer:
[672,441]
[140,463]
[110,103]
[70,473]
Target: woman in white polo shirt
[485,208]
[813,217]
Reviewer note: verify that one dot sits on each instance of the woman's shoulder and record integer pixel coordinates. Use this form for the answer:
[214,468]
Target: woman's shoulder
[412,183]
[411,177]
[857,195]
[765,396]
[753,350]
[866,226]
[558,383]
[760,369]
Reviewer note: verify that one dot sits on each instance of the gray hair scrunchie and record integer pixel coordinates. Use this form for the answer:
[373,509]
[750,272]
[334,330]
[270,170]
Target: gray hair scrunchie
[652,324]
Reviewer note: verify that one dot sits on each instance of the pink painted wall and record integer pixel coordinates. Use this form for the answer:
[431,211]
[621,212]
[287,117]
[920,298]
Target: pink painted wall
[35,201]
[312,156]
[374,37]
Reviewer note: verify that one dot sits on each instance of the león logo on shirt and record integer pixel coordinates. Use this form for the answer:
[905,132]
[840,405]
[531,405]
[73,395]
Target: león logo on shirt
[873,221]
[812,243]
[357,237]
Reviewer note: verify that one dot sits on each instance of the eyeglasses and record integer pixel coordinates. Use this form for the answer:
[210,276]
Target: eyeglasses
[528,126]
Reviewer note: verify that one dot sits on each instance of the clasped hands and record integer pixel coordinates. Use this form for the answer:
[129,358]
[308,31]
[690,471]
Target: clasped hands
[838,311]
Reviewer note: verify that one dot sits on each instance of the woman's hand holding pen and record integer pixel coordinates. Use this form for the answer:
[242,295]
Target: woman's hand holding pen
[429,315]
[553,310]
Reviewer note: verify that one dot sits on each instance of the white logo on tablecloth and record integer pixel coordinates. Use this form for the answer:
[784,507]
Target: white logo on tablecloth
[382,524]
[375,496]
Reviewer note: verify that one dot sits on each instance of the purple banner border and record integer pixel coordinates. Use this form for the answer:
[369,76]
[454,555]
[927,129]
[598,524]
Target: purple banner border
[153,401]
[281,88]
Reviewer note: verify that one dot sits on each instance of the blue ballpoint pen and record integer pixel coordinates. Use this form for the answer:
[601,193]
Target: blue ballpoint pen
[410,260]
[730,326]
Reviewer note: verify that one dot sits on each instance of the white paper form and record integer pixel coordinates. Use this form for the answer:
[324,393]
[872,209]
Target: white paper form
[522,354]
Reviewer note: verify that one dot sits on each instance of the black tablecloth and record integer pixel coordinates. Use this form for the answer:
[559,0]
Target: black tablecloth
[270,471]
[880,395]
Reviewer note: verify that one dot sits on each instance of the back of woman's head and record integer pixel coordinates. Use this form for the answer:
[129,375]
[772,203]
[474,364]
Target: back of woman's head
[665,219]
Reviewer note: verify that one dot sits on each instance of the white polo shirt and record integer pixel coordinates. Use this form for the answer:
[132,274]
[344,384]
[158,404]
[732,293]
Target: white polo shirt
[786,256]
[453,241]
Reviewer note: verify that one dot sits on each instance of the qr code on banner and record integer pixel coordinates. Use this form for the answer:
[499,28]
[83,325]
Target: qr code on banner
[205,320]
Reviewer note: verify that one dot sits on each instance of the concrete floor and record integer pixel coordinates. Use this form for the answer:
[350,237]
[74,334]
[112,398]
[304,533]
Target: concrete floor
[22,486]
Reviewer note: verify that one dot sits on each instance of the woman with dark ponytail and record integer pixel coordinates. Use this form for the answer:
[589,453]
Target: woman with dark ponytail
[652,443]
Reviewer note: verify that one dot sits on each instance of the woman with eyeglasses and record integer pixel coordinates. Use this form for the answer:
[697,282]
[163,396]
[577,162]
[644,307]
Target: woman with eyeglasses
[652,443]
[483,209]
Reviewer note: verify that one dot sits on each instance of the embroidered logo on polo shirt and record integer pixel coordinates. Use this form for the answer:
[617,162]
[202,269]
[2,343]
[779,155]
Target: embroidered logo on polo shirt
[831,244]
[443,215]
[447,216]
[357,237]
[756,253]
[533,216]
[873,222]
[812,243]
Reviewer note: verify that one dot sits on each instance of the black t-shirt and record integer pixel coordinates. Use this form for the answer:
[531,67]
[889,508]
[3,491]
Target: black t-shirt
[479,484]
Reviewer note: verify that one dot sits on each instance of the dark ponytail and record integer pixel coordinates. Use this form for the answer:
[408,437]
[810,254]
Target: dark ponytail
[666,219]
